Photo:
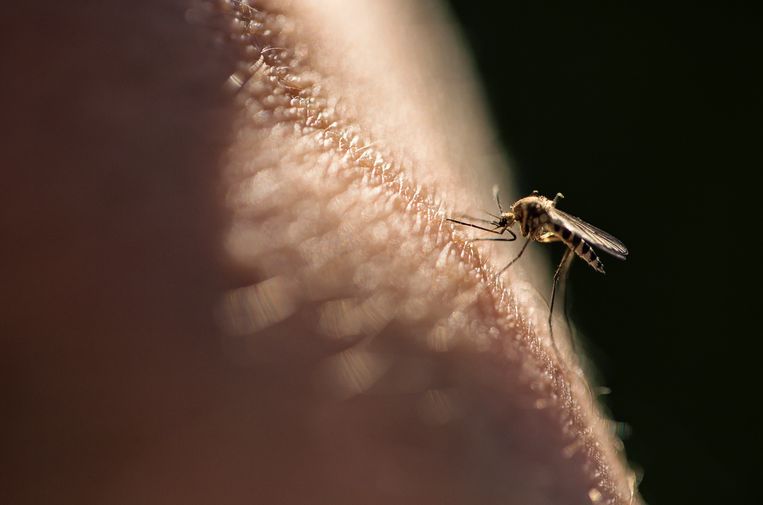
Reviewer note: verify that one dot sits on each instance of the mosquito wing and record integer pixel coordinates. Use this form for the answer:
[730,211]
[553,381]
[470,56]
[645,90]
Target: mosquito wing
[589,233]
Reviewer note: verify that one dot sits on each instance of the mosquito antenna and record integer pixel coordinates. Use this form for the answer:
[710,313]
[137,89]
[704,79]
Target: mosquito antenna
[497,198]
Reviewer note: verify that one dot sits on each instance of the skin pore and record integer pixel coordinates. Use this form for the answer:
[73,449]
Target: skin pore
[228,290]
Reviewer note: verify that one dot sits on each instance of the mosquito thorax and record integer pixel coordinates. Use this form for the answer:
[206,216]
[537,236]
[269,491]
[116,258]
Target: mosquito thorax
[531,212]
[531,206]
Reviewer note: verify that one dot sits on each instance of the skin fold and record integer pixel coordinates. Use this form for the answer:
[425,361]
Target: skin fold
[230,280]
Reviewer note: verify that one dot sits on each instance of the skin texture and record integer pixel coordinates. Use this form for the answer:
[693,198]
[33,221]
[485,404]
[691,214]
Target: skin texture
[234,290]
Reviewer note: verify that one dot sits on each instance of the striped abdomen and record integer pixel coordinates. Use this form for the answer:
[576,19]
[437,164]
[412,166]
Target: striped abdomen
[579,246]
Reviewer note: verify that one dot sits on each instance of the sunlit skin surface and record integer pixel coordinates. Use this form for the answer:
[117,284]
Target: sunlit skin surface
[244,290]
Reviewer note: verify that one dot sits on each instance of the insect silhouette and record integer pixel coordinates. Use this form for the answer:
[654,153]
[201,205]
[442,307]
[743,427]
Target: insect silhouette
[540,221]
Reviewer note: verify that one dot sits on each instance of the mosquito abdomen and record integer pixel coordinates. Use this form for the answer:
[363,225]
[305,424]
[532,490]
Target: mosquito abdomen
[580,247]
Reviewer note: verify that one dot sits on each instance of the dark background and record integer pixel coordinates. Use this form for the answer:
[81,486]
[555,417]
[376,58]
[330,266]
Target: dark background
[648,118]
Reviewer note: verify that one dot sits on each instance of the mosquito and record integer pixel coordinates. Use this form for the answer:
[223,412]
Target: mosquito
[540,221]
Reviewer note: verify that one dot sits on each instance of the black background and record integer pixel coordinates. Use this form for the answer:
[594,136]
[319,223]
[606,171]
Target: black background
[647,116]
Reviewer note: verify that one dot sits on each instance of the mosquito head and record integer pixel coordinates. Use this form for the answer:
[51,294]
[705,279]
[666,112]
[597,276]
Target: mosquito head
[505,220]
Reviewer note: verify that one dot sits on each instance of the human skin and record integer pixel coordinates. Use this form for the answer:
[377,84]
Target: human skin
[247,292]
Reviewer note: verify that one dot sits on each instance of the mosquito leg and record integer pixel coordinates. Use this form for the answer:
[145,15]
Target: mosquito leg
[492,239]
[476,226]
[558,197]
[561,274]
[566,308]
[548,237]
[478,219]
[515,259]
